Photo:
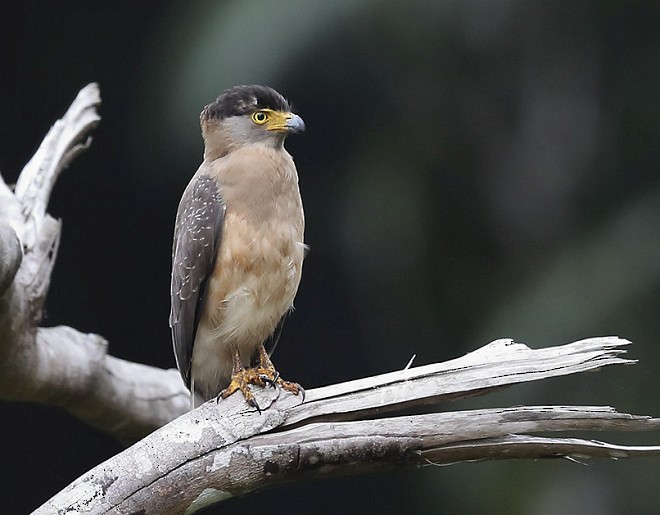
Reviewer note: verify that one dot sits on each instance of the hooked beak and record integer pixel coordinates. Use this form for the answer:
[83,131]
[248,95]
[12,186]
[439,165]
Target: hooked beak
[294,123]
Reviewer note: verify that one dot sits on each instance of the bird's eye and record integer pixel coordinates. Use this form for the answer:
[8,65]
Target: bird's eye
[259,117]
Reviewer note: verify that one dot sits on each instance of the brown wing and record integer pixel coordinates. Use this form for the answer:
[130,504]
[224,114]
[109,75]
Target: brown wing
[197,236]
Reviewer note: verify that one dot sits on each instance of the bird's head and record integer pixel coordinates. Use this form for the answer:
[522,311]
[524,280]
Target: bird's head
[247,115]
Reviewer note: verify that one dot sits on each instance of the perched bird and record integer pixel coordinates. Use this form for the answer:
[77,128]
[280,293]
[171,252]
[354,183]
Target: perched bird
[238,247]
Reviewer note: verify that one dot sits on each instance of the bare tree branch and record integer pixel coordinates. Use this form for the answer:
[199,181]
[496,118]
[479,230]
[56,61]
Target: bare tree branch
[61,366]
[227,449]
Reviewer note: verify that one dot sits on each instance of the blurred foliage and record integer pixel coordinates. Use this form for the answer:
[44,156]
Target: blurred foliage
[471,170]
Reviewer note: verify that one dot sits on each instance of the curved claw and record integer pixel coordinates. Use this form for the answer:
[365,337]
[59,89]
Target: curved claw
[271,381]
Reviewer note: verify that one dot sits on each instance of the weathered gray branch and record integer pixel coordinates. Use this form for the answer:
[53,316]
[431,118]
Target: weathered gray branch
[59,365]
[226,449]
[222,450]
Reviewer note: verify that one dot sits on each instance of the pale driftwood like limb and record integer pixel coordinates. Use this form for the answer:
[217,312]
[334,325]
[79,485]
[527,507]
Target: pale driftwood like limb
[222,450]
[61,366]
[500,363]
[66,139]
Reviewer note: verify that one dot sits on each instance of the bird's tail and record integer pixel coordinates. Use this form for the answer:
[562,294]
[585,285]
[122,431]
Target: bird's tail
[196,399]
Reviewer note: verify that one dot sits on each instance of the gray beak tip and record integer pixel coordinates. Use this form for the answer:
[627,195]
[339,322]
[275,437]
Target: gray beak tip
[295,124]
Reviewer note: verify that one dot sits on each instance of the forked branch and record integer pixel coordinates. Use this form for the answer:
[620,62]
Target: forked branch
[60,365]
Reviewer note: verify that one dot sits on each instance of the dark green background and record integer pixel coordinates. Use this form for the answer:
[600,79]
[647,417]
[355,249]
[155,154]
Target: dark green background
[471,170]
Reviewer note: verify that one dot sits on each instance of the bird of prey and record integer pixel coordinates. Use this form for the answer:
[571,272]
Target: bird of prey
[238,247]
